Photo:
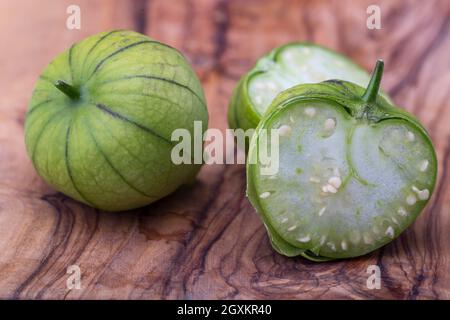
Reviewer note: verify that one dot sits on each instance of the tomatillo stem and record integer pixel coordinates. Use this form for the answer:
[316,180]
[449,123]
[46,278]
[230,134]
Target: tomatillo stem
[72,92]
[371,93]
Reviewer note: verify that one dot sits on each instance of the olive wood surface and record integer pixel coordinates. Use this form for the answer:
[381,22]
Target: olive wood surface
[205,240]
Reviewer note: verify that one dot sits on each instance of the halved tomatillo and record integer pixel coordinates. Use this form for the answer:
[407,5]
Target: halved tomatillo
[354,170]
[282,68]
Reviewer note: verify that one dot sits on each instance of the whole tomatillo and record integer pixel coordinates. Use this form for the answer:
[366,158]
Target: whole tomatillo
[101,117]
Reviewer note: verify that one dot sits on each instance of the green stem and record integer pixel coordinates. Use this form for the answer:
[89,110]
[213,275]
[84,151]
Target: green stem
[373,87]
[72,92]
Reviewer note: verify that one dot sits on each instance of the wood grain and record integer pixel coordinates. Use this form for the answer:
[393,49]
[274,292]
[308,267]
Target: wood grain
[206,241]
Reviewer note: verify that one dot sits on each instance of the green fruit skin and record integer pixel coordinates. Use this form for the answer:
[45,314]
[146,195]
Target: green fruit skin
[111,148]
[241,111]
[348,95]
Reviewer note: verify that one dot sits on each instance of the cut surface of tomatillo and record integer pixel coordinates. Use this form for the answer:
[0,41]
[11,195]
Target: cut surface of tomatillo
[283,68]
[347,182]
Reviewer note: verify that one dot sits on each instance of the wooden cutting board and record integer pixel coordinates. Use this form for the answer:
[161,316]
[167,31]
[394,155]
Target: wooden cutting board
[206,241]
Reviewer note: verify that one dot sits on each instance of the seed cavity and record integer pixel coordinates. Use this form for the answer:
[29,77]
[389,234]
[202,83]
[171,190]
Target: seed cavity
[322,211]
[394,220]
[390,232]
[291,119]
[330,124]
[411,199]
[335,182]
[375,230]
[411,137]
[401,211]
[305,239]
[284,220]
[329,188]
[310,112]
[264,195]
[331,245]
[284,130]
[344,245]
[421,194]
[423,166]
[292,228]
